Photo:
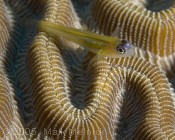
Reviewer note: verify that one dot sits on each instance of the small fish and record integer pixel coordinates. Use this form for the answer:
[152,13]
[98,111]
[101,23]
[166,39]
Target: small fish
[105,46]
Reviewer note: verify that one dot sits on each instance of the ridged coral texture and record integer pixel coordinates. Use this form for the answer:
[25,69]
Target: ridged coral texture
[53,89]
[149,30]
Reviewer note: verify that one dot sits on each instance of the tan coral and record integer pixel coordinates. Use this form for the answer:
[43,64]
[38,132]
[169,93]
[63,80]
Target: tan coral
[109,82]
[10,120]
[11,124]
[5,27]
[151,31]
[95,98]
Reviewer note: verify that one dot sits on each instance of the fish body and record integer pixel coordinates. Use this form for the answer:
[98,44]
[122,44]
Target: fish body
[105,46]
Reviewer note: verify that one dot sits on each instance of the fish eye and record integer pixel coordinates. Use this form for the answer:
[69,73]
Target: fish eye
[123,46]
[120,49]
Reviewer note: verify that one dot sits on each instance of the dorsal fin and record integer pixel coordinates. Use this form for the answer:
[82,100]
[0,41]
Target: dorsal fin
[116,33]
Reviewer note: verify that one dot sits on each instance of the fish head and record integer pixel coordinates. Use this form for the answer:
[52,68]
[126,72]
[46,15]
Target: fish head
[122,49]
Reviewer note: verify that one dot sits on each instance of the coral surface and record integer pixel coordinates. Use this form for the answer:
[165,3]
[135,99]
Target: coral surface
[51,88]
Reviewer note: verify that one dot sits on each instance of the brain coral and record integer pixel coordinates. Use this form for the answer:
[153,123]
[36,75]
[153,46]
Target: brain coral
[54,89]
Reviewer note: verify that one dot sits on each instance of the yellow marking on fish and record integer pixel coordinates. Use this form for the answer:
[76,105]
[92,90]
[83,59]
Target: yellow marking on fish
[102,45]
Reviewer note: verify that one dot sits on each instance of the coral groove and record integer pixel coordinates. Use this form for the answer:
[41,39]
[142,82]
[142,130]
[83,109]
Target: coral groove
[11,126]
